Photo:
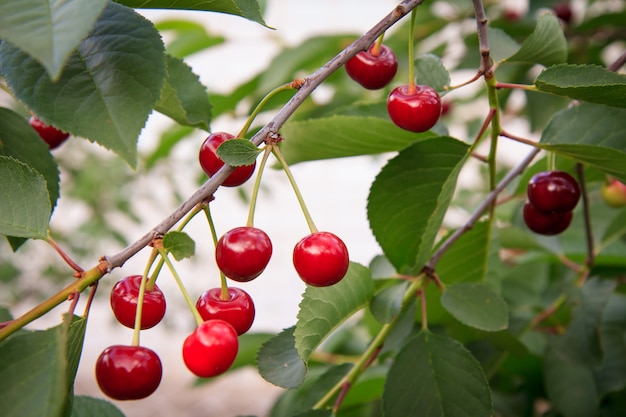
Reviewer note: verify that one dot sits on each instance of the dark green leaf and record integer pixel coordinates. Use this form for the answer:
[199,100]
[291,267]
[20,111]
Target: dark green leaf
[238,152]
[429,70]
[611,376]
[436,376]
[590,83]
[476,305]
[316,413]
[279,362]
[189,37]
[322,309]
[108,87]
[179,244]
[25,205]
[49,31]
[249,345]
[380,267]
[386,305]
[546,45]
[615,230]
[183,97]
[85,406]
[409,198]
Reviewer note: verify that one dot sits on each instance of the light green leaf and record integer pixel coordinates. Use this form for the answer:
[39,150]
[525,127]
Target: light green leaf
[279,362]
[409,198]
[386,305]
[188,37]
[429,70]
[238,152]
[342,136]
[501,44]
[546,45]
[476,305]
[108,87]
[179,244]
[25,204]
[183,97]
[436,376]
[323,309]
[48,30]
[85,406]
[591,83]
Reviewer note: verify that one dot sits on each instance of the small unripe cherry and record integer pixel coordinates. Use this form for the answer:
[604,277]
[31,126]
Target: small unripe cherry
[614,193]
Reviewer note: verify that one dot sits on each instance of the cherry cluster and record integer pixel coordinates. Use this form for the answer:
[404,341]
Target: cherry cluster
[552,196]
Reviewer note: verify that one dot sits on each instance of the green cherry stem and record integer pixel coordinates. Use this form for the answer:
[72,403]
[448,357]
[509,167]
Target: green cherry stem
[141,296]
[376,49]
[285,166]
[412,52]
[224,294]
[181,286]
[257,185]
[259,107]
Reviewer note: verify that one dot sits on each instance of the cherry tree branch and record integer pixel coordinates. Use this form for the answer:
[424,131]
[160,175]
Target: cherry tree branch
[483,40]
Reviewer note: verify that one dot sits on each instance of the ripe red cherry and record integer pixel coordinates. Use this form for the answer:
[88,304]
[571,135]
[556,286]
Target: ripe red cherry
[553,192]
[243,253]
[50,134]
[128,372]
[124,299]
[563,11]
[238,311]
[614,193]
[211,349]
[321,259]
[546,223]
[211,163]
[374,68]
[414,110]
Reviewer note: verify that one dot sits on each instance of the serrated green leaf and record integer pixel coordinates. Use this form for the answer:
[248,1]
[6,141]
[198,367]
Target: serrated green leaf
[342,136]
[179,244]
[20,141]
[436,376]
[48,30]
[615,230]
[184,98]
[501,44]
[611,376]
[409,198]
[322,309]
[546,45]
[591,83]
[429,70]
[592,134]
[238,152]
[188,37]
[108,87]
[25,205]
[85,406]
[387,303]
[279,362]
[476,305]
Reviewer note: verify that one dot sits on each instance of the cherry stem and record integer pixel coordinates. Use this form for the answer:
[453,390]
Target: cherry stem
[518,138]
[422,295]
[375,49]
[64,255]
[305,210]
[92,294]
[500,85]
[141,296]
[257,185]
[589,261]
[411,89]
[224,294]
[262,103]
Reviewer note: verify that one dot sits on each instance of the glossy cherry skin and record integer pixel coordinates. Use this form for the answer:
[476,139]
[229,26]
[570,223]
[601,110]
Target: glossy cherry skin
[50,134]
[243,253]
[211,349]
[415,111]
[211,163]
[124,299]
[128,372]
[321,259]
[614,193]
[238,311]
[546,223]
[553,192]
[373,69]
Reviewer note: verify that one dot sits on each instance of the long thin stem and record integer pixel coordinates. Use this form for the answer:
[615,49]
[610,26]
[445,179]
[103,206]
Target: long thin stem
[580,170]
[412,53]
[141,296]
[224,294]
[259,107]
[257,185]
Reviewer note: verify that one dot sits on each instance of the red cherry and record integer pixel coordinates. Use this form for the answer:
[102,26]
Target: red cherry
[373,69]
[614,193]
[563,11]
[546,223]
[211,349]
[128,372]
[321,259]
[553,192]
[243,253]
[211,163]
[50,134]
[238,310]
[124,299]
[415,111]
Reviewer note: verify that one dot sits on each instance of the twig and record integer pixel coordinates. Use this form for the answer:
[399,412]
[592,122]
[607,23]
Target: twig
[617,64]
[483,40]
[580,171]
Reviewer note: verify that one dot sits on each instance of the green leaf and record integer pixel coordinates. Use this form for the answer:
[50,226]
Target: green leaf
[386,305]
[611,376]
[341,136]
[409,198]
[85,406]
[615,230]
[248,9]
[323,309]
[184,98]
[501,44]
[25,205]
[476,305]
[429,70]
[188,37]
[591,83]
[592,134]
[546,45]
[436,376]
[49,31]
[179,244]
[238,152]
[279,362]
[108,87]
[249,345]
